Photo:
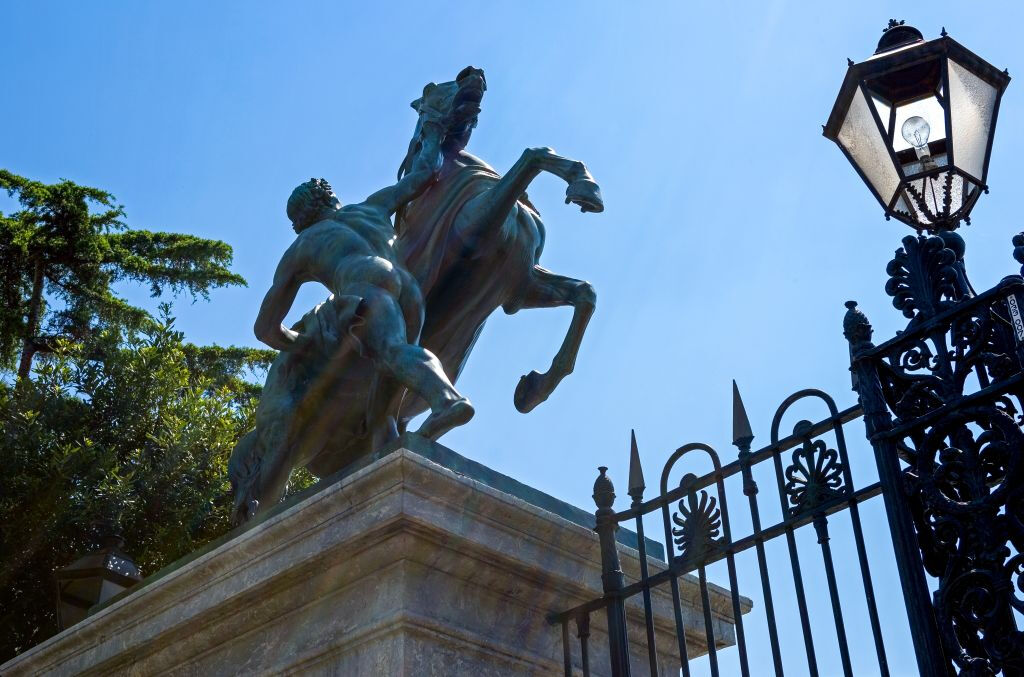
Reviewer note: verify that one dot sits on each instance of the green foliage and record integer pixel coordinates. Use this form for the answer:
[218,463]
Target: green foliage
[139,438]
[122,422]
[62,251]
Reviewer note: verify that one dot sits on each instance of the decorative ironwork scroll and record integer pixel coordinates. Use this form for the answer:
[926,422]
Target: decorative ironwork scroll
[952,387]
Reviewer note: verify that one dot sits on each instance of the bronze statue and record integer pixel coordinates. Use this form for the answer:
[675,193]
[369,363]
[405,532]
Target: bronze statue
[469,242]
[376,309]
[473,241]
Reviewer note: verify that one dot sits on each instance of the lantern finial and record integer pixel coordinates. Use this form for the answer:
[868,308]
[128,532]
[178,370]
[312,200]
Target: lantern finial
[898,34]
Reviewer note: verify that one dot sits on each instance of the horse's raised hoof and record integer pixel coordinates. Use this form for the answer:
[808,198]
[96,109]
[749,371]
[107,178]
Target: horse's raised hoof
[530,392]
[586,194]
[455,414]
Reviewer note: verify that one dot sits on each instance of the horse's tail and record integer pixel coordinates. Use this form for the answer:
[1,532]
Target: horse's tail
[244,473]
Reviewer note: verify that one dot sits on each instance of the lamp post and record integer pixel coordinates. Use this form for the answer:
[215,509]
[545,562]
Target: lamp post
[917,120]
[93,579]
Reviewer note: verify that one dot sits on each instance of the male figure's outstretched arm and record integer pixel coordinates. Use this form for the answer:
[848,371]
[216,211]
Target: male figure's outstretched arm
[425,166]
[275,307]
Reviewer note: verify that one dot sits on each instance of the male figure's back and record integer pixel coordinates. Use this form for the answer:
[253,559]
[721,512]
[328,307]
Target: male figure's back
[376,301]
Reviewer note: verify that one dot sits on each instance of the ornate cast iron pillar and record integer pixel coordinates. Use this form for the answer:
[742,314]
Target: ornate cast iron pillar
[943,399]
[944,404]
[877,421]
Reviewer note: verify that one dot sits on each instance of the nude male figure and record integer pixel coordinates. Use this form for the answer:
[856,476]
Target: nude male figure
[348,249]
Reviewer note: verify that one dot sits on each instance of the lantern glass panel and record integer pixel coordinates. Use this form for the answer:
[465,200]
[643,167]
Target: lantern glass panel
[972,103]
[884,110]
[860,137]
[915,128]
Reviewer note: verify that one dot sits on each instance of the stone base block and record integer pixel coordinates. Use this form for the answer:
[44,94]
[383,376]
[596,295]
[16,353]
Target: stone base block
[403,567]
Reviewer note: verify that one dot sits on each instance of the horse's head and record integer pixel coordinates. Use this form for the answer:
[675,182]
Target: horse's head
[455,105]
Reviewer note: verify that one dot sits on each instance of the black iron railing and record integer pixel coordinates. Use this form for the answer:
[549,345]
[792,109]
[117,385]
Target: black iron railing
[814,482]
[943,408]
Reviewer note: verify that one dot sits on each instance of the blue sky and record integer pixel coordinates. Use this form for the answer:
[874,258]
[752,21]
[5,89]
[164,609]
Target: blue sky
[733,230]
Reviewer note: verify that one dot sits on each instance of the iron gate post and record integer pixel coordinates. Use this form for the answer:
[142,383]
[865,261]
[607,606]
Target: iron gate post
[612,578]
[931,658]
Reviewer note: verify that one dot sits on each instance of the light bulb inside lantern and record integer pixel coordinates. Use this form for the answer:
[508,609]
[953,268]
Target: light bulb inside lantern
[915,131]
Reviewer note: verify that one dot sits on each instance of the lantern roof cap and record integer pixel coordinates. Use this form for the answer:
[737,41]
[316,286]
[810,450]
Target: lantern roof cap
[109,561]
[898,34]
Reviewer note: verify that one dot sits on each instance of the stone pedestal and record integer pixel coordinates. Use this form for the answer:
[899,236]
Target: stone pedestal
[419,563]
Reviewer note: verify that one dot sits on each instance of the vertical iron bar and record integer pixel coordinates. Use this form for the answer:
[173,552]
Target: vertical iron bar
[566,649]
[737,612]
[798,579]
[612,578]
[583,632]
[730,560]
[750,489]
[652,647]
[742,436]
[709,627]
[916,596]
[636,492]
[869,591]
[684,658]
[862,555]
[821,527]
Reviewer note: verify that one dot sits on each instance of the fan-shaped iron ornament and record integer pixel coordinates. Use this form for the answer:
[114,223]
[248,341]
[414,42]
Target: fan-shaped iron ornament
[698,523]
[814,477]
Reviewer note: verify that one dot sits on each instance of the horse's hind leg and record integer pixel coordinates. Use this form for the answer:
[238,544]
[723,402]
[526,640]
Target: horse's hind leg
[548,290]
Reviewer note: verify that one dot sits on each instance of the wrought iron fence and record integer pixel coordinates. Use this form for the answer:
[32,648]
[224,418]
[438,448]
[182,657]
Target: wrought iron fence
[943,408]
[813,481]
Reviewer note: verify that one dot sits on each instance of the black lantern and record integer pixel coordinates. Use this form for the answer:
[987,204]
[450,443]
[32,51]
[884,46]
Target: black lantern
[93,579]
[917,120]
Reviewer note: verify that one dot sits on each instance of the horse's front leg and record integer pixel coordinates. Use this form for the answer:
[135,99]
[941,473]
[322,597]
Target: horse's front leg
[491,208]
[548,290]
[582,189]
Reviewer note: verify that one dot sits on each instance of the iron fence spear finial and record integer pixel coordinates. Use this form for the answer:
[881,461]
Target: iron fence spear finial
[742,435]
[636,471]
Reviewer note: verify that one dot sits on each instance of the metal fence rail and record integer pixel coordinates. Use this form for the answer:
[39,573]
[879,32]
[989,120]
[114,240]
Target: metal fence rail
[943,407]
[814,482]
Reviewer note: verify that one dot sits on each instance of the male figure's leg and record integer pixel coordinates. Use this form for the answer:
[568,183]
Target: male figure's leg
[384,335]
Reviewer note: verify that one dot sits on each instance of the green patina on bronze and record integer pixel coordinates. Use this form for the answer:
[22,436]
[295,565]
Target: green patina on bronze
[408,302]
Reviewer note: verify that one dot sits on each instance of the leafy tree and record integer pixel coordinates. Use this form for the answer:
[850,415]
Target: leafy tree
[123,422]
[139,438]
[63,250]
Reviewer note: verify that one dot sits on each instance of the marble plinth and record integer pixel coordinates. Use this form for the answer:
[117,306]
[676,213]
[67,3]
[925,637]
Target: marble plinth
[418,563]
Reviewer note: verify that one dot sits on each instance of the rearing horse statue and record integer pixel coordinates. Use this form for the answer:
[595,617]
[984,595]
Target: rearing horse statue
[473,241]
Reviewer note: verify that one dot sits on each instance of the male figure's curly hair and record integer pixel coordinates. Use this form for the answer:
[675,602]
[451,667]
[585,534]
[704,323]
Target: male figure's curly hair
[308,202]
